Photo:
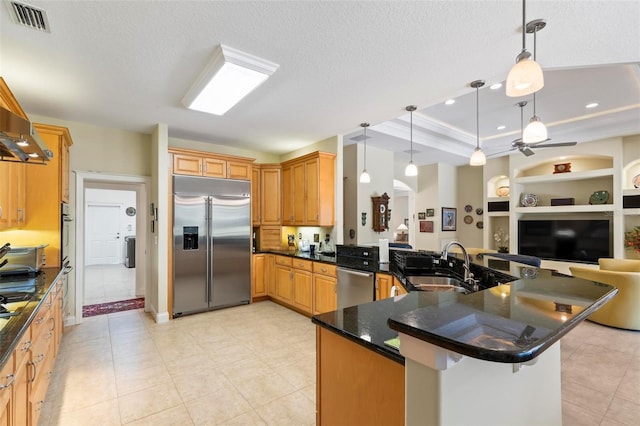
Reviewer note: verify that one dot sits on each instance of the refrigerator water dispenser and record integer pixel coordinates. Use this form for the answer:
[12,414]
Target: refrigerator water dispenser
[190,238]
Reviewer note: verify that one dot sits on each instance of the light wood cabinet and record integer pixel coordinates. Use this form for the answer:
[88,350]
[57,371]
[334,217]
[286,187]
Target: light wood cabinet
[284,283]
[400,288]
[196,163]
[308,190]
[356,385]
[7,380]
[270,195]
[325,298]
[270,274]
[383,285]
[46,188]
[13,195]
[255,195]
[303,285]
[258,285]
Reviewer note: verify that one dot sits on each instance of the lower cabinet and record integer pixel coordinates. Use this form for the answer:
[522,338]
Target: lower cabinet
[25,378]
[384,282]
[258,281]
[307,286]
[303,285]
[325,281]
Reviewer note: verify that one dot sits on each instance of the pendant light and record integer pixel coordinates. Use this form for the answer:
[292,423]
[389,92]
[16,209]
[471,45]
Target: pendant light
[525,76]
[535,131]
[477,158]
[364,176]
[411,169]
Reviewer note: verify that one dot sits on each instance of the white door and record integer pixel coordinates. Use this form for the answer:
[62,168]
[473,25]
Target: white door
[103,234]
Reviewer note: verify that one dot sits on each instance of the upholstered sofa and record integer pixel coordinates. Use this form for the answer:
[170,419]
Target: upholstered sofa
[623,311]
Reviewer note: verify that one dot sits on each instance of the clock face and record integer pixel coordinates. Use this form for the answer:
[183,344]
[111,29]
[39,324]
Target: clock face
[383,208]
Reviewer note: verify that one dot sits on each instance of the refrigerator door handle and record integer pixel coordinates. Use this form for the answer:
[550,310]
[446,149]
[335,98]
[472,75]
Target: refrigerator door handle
[209,247]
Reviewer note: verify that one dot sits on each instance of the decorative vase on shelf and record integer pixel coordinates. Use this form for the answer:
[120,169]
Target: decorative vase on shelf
[529,200]
[599,197]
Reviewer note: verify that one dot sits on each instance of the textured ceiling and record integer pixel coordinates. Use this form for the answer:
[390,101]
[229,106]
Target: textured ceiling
[127,64]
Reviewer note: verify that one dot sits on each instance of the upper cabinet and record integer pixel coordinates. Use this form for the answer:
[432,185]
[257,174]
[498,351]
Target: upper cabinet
[196,163]
[308,190]
[270,196]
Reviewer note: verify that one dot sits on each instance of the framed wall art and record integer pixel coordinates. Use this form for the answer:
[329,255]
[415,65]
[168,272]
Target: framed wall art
[431,212]
[421,216]
[448,219]
[426,226]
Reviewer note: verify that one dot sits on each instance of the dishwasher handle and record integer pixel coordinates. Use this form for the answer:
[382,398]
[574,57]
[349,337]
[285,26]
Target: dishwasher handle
[354,272]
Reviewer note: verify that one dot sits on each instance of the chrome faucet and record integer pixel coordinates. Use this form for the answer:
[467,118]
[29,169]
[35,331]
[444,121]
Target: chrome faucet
[468,275]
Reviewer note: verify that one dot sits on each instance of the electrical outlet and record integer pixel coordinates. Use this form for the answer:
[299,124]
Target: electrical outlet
[316,238]
[300,235]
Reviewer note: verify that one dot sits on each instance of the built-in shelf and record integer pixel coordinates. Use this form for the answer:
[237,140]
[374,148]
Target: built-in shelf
[498,214]
[631,191]
[631,212]
[589,208]
[494,199]
[565,177]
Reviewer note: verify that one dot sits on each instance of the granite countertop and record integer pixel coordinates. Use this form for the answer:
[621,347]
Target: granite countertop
[509,323]
[316,257]
[14,327]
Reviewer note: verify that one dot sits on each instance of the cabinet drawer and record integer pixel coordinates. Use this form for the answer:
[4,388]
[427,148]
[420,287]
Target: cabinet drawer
[283,260]
[41,320]
[324,269]
[305,265]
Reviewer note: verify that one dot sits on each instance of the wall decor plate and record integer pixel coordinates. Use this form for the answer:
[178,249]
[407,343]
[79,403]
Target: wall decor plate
[529,200]
[562,168]
[502,191]
[636,181]
[468,219]
[599,197]
[479,224]
[468,208]
[479,211]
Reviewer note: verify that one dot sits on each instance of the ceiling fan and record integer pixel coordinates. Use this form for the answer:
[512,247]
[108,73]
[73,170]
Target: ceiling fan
[526,148]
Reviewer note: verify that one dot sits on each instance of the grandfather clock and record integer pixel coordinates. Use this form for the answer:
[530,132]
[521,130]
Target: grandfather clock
[380,212]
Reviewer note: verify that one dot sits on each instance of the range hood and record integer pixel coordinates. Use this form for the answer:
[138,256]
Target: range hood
[19,141]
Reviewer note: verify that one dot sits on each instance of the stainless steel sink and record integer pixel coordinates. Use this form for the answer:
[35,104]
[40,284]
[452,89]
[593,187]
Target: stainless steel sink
[437,283]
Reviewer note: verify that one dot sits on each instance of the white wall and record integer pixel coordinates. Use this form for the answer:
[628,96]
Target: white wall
[350,193]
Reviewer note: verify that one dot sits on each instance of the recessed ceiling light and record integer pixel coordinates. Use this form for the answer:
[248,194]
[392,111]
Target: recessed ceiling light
[501,127]
[591,105]
[22,142]
[450,102]
[495,86]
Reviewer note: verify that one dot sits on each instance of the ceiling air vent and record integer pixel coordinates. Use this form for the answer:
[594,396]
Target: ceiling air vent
[29,16]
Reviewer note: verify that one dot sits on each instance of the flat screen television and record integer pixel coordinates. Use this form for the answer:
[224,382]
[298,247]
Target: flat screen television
[568,240]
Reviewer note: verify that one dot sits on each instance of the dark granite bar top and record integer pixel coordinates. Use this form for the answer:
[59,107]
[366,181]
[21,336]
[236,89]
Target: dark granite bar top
[316,257]
[13,328]
[510,323]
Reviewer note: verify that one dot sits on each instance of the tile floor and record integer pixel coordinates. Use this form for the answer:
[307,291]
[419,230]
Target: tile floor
[255,364]
[108,283]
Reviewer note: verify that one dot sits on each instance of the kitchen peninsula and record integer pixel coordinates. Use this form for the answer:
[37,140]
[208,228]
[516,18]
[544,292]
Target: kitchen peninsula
[487,357]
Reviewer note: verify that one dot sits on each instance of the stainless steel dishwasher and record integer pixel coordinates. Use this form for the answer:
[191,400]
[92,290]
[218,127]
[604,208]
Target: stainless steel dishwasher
[356,274]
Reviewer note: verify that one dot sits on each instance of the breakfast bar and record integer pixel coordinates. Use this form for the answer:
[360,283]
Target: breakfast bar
[486,357]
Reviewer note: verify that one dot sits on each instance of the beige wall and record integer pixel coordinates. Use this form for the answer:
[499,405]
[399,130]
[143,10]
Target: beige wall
[350,190]
[260,157]
[469,193]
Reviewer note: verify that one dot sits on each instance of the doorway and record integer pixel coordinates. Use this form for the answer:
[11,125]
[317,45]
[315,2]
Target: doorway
[111,243]
[109,278]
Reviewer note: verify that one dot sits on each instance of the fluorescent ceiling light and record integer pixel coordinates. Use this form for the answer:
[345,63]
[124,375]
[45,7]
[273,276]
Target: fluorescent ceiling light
[501,127]
[591,105]
[228,77]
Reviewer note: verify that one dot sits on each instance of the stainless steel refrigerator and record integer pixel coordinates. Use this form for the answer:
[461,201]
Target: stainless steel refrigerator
[211,244]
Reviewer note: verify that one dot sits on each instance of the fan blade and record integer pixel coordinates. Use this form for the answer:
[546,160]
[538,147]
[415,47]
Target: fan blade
[495,154]
[536,143]
[551,145]
[526,151]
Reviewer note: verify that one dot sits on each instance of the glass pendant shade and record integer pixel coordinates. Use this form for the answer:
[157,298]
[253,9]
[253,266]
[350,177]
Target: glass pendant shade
[535,131]
[411,170]
[364,177]
[478,158]
[524,78]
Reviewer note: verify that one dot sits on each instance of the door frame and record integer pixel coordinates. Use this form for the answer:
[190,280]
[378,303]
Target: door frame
[142,186]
